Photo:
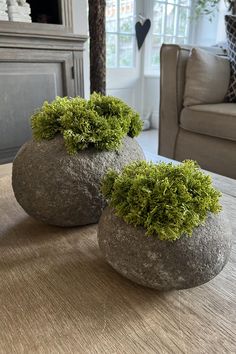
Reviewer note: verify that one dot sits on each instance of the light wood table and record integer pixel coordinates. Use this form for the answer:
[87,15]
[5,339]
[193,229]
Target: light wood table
[57,294]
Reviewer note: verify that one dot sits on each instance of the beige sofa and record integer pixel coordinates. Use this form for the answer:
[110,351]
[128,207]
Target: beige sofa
[203,132]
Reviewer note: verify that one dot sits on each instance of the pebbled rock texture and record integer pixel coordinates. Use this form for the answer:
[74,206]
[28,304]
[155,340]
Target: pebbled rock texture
[164,265]
[64,190]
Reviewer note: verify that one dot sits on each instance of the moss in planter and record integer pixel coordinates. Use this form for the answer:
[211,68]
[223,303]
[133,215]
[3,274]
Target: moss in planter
[166,199]
[102,122]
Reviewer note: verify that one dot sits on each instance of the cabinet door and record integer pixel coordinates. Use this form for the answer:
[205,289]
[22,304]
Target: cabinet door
[27,79]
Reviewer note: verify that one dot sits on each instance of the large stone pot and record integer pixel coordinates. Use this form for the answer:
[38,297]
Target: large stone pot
[165,265]
[62,189]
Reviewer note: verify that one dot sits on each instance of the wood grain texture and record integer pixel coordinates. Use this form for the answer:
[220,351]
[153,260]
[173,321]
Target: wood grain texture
[5,170]
[57,295]
[225,184]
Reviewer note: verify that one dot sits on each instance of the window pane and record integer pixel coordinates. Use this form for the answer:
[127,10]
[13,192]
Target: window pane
[157,41]
[170,19]
[181,40]
[120,33]
[155,57]
[126,50]
[111,50]
[184,2]
[158,18]
[183,21]
[127,16]
[126,8]
[156,45]
[169,39]
[127,25]
[111,16]
[170,25]
[111,26]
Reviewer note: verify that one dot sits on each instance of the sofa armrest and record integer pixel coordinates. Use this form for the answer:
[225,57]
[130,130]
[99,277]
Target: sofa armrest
[173,60]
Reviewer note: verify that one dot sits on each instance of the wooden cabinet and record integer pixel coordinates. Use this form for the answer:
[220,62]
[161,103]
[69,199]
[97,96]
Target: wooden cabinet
[37,62]
[27,79]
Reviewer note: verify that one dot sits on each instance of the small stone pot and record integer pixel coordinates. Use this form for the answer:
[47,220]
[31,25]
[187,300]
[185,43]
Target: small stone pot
[165,265]
[61,189]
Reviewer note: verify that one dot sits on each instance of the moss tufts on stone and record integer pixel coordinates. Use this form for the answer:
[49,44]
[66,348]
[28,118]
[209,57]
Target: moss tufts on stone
[101,122]
[166,199]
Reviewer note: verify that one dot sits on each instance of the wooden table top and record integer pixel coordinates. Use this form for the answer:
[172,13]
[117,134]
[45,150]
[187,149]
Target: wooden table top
[58,295]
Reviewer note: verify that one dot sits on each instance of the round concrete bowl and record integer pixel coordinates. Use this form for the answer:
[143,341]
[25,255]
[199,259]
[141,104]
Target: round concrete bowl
[165,265]
[61,189]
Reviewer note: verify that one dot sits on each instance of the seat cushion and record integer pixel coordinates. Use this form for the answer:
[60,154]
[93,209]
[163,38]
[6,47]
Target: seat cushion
[217,120]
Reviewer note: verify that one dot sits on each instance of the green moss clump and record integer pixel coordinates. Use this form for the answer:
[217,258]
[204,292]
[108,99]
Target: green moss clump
[168,200]
[102,122]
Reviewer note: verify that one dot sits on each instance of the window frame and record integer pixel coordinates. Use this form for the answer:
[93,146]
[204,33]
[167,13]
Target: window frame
[150,70]
[118,34]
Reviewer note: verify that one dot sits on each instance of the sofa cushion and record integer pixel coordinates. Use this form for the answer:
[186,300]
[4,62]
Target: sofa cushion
[207,78]
[217,120]
[230,22]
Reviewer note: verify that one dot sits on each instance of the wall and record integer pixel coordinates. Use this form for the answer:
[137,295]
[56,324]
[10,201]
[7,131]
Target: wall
[80,20]
[221,34]
[80,24]
[124,83]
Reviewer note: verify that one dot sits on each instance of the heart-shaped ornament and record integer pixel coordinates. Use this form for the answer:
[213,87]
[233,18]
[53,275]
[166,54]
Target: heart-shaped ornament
[142,31]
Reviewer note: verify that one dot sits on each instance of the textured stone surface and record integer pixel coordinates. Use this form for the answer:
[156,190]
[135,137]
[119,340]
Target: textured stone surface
[61,189]
[164,265]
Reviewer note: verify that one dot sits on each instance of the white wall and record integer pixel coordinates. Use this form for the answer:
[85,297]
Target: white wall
[221,34]
[80,18]
[151,99]
[80,26]
[124,83]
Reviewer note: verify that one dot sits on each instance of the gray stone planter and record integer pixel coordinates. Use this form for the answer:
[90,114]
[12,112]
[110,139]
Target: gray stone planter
[164,265]
[64,190]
